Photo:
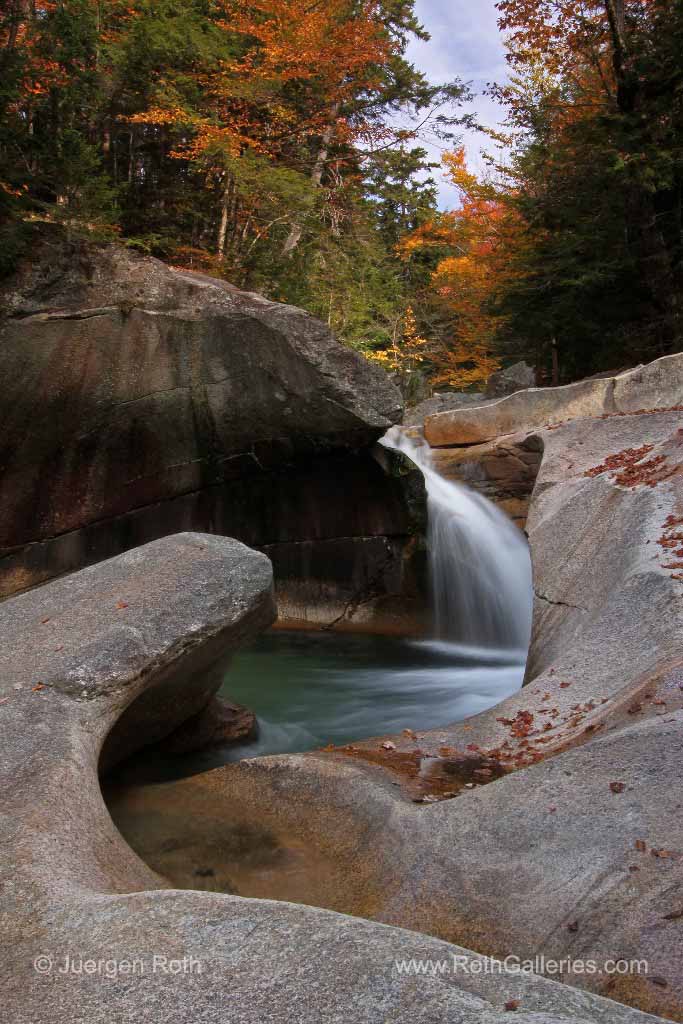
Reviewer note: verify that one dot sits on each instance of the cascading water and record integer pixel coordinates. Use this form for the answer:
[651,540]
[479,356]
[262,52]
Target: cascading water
[479,561]
[311,690]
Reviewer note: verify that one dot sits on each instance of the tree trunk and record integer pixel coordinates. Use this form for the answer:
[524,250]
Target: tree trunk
[296,230]
[21,11]
[223,225]
[226,205]
[131,156]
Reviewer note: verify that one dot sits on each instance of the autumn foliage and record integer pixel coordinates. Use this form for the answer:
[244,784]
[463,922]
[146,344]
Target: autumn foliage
[594,167]
[278,144]
[275,143]
[568,252]
[329,52]
[406,351]
[478,238]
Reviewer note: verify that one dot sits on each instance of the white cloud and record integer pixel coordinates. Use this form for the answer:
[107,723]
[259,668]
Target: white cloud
[466,44]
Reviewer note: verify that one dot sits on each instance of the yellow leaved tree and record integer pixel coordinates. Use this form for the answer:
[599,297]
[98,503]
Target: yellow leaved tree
[407,349]
[483,238]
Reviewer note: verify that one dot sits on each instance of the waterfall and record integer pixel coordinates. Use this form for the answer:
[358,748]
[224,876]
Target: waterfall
[479,561]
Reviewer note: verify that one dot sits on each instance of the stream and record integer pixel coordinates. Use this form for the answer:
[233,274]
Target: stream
[309,690]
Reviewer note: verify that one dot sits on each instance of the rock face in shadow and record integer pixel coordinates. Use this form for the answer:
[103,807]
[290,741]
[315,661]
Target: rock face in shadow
[85,653]
[219,724]
[513,378]
[139,401]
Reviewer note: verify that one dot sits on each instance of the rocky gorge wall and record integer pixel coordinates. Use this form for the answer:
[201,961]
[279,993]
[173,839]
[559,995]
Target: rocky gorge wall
[549,825]
[140,401]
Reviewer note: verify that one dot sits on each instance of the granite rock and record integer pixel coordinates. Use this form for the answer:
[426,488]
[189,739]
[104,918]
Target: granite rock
[91,933]
[659,385]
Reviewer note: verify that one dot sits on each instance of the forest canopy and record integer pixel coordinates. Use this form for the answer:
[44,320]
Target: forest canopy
[280,144]
[568,252]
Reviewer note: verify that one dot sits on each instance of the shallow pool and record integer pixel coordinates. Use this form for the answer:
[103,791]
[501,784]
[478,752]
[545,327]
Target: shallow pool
[311,689]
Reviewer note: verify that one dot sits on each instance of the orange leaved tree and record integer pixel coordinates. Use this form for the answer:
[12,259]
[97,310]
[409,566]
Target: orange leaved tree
[480,242]
[263,122]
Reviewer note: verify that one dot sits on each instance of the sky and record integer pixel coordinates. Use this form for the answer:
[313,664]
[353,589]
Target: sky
[465,43]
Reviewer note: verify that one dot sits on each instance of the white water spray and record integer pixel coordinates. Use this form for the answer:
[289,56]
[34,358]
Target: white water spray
[479,561]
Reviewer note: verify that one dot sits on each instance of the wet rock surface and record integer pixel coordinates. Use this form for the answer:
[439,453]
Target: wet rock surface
[504,470]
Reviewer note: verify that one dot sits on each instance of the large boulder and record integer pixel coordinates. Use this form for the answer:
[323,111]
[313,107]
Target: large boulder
[659,385]
[139,400]
[517,377]
[91,933]
[125,625]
